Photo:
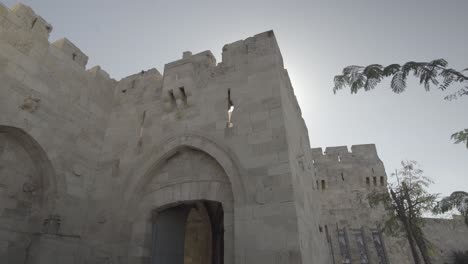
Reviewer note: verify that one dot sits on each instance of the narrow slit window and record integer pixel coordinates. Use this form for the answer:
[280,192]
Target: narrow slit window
[382,181]
[184,95]
[230,109]
[317,184]
[367,180]
[323,184]
[33,23]
[73,56]
[342,176]
[172,97]
[140,138]
[374,179]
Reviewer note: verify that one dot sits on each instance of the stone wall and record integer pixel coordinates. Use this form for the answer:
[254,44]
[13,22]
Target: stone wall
[446,236]
[53,119]
[352,228]
[301,168]
[85,160]
[189,103]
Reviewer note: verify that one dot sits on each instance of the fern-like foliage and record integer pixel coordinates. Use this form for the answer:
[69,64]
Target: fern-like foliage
[461,136]
[434,73]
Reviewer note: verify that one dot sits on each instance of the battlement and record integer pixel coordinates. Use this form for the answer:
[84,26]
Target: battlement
[187,57]
[71,51]
[22,16]
[342,154]
[242,51]
[29,33]
[337,167]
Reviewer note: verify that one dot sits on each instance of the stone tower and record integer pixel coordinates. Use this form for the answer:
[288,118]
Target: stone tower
[207,163]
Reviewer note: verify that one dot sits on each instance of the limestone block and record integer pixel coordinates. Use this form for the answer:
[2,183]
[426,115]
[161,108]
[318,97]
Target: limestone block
[71,51]
[31,21]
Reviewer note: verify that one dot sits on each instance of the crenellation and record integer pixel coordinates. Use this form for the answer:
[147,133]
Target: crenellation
[365,151]
[98,72]
[89,164]
[186,54]
[254,51]
[316,153]
[30,21]
[71,51]
[336,151]
[339,168]
[202,58]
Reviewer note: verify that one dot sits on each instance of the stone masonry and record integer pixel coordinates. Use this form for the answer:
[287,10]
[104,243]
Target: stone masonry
[89,164]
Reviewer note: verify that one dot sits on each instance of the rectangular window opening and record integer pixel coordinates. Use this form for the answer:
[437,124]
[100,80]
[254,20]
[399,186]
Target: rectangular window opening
[367,180]
[374,180]
[323,184]
[172,97]
[184,95]
[382,181]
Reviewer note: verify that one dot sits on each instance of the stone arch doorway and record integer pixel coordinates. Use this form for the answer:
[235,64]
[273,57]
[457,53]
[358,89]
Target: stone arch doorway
[188,177]
[188,233]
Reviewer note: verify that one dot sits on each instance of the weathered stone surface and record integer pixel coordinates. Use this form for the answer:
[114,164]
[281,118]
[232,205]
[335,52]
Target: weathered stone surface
[87,162]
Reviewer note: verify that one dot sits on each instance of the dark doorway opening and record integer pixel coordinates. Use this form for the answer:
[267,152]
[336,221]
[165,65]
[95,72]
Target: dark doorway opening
[191,232]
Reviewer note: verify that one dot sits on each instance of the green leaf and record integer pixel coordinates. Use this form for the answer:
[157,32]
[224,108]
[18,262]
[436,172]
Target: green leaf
[460,136]
[412,66]
[340,83]
[398,83]
[439,62]
[391,70]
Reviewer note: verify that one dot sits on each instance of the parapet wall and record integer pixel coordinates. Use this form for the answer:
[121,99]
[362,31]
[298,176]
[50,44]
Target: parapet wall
[339,168]
[22,16]
[446,236]
[22,28]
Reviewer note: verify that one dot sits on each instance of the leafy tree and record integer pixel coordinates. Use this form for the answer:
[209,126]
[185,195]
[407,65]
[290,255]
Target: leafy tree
[461,136]
[457,200]
[433,73]
[407,202]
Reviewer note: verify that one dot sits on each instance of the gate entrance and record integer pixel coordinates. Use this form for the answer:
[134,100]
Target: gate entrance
[189,233]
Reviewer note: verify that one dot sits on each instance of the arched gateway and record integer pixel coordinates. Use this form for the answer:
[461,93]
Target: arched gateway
[184,205]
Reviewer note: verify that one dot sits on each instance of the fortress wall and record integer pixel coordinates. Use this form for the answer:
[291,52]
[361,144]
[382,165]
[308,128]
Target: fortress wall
[156,110]
[312,244]
[446,236]
[47,93]
[351,226]
[106,141]
[341,169]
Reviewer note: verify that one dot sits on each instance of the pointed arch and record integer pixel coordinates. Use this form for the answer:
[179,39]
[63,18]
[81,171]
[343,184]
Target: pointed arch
[170,146]
[39,157]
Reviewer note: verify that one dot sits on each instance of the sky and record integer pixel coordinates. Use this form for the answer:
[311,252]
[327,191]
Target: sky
[317,39]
